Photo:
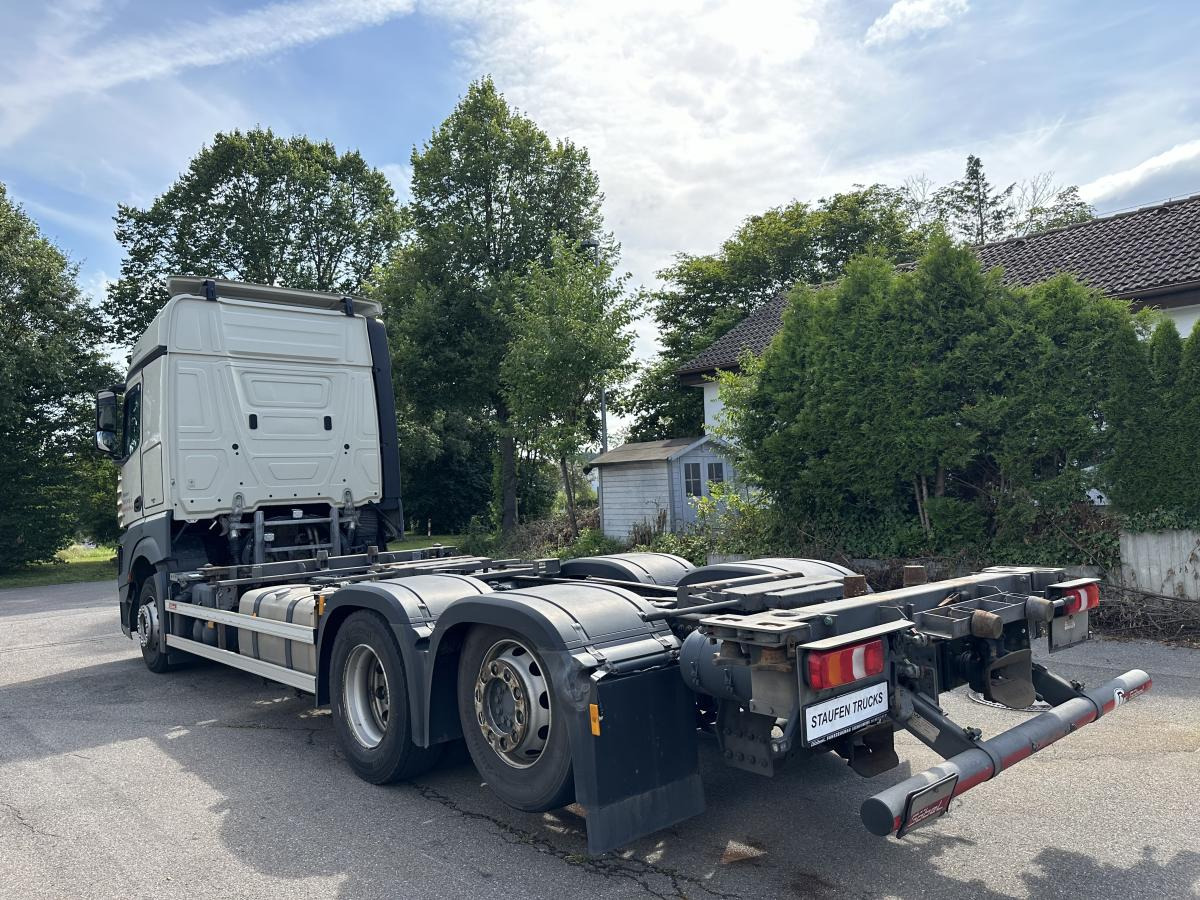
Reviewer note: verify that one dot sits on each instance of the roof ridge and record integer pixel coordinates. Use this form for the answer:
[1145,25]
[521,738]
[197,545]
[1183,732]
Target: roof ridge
[1075,226]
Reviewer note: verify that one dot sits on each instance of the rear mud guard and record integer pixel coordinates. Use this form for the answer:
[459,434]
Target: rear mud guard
[635,756]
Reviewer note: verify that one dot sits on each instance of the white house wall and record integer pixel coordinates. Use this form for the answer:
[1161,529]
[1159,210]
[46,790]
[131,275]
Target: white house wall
[1185,318]
[632,493]
[714,407]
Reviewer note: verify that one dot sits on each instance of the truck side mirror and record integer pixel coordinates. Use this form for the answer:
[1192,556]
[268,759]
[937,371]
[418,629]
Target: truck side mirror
[106,422]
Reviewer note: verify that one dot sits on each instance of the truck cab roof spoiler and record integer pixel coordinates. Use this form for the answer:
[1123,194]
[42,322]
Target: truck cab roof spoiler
[197,286]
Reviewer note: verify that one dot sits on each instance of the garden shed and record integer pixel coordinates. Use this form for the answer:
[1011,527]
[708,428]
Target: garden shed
[655,482]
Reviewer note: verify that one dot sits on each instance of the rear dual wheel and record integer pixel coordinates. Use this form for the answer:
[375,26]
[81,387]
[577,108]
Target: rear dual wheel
[507,708]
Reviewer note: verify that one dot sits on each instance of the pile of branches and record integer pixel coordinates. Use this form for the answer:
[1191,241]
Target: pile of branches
[1132,613]
[546,535]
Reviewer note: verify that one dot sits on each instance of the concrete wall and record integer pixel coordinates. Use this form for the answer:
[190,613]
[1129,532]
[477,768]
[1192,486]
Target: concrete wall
[1162,562]
[631,493]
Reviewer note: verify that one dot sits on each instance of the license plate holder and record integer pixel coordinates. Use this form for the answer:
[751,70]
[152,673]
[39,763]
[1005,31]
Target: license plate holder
[926,804]
[835,716]
[1067,631]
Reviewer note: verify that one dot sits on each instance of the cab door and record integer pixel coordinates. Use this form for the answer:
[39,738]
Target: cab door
[151,447]
[131,457]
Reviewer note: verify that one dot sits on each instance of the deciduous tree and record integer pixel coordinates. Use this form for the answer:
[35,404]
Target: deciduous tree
[52,362]
[489,192]
[255,207]
[705,296]
[571,338]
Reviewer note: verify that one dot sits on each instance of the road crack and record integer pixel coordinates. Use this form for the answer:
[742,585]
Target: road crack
[25,823]
[648,876]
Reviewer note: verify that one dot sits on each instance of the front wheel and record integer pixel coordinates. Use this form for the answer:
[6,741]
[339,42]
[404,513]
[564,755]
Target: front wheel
[149,627]
[511,723]
[369,696]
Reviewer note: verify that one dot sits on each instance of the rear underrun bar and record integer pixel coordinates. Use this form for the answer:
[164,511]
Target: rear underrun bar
[927,796]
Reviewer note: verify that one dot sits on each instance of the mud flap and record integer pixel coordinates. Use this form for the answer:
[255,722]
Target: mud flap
[635,757]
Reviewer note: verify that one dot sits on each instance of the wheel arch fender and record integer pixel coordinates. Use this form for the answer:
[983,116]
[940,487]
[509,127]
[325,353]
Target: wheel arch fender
[577,628]
[145,559]
[639,771]
[409,606]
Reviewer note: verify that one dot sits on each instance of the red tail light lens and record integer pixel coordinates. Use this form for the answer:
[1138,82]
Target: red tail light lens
[833,668]
[1079,599]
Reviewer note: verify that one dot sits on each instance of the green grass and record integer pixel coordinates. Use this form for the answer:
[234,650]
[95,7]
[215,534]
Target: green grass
[420,541]
[76,563]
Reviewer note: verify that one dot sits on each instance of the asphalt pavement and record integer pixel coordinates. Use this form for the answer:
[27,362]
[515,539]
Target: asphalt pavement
[207,782]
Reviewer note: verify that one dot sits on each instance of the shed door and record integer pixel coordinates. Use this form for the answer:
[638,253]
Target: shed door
[697,476]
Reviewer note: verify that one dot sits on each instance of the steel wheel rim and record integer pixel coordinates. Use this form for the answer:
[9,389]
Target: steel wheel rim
[147,624]
[513,705]
[366,696]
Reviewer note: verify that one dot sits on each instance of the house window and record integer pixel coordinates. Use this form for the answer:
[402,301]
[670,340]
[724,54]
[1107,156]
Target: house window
[716,472]
[691,479]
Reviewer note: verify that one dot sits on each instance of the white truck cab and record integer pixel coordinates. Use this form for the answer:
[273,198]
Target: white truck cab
[256,424]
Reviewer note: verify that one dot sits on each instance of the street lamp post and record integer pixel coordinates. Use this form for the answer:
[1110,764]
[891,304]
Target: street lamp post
[594,245]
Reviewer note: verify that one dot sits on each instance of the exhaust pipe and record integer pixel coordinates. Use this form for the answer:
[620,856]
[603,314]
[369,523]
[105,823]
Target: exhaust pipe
[926,796]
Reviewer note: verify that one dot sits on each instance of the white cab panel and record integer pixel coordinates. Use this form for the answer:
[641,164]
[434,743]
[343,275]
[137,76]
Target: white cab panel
[273,402]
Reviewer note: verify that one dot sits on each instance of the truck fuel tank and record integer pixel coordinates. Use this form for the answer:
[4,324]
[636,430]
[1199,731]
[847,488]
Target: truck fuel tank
[295,604]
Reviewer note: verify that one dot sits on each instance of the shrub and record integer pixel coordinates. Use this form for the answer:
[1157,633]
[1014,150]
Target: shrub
[591,542]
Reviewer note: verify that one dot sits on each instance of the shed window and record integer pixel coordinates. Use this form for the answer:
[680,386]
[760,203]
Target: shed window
[691,479]
[716,472]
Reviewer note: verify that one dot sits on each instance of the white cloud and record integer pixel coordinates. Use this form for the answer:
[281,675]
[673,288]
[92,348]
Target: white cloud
[695,114]
[400,176]
[908,17]
[77,222]
[59,68]
[1118,183]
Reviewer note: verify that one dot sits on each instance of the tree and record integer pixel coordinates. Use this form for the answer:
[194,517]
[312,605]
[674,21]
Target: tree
[972,209]
[51,364]
[489,192]
[937,408]
[260,208]
[1041,205]
[1170,434]
[571,338]
[1186,401]
[705,296]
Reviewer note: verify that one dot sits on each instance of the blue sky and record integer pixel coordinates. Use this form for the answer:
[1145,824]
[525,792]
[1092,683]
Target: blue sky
[697,114]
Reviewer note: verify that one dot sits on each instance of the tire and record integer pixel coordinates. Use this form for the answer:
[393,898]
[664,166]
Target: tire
[528,768]
[148,626]
[373,731]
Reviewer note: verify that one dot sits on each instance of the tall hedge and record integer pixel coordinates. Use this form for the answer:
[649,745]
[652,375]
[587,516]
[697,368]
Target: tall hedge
[1186,444]
[940,410]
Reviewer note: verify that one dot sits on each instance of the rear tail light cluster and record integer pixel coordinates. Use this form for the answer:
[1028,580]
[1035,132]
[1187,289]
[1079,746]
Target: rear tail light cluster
[1082,598]
[833,668]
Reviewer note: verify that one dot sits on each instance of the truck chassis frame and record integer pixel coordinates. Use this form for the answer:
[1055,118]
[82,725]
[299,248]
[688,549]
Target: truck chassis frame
[776,658]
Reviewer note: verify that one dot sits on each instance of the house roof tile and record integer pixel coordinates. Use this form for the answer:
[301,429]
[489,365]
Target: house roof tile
[1132,254]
